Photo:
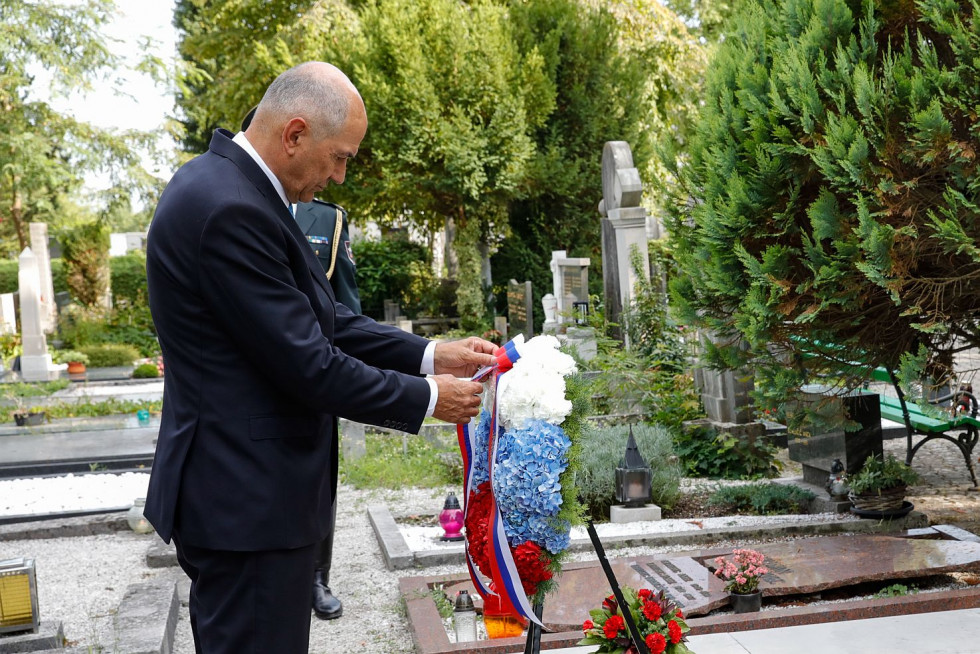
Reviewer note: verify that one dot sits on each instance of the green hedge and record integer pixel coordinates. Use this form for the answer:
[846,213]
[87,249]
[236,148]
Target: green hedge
[9,282]
[128,276]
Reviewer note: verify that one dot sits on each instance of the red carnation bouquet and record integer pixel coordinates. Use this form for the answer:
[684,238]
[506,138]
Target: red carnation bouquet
[660,623]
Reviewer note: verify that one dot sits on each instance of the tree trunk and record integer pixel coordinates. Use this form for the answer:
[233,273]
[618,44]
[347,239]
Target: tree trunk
[449,249]
[17,213]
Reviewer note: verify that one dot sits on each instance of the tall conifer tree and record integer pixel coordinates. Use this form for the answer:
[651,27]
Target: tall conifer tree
[832,192]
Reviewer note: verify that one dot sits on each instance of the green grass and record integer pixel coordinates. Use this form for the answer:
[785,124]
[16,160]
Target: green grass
[388,465]
[87,409]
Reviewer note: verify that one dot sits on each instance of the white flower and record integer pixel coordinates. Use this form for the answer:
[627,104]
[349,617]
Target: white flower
[535,386]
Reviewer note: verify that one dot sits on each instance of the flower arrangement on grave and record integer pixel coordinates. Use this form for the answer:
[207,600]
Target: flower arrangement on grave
[519,465]
[659,621]
[743,572]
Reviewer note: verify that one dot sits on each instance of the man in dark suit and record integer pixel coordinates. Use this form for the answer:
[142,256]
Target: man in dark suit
[326,230]
[261,360]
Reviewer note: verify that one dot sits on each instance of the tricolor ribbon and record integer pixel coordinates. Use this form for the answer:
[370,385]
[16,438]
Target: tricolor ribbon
[503,568]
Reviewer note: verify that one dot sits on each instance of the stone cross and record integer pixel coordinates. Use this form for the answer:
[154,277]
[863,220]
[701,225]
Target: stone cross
[624,227]
[39,246]
[35,362]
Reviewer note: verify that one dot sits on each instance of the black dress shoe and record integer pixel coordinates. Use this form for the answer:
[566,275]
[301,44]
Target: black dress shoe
[325,605]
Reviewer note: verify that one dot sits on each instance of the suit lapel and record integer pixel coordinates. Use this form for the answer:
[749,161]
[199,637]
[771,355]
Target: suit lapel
[222,144]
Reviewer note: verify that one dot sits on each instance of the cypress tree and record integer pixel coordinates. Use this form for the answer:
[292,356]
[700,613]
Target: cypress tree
[830,197]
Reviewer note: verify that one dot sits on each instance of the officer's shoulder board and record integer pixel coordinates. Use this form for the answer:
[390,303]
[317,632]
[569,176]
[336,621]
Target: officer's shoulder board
[335,207]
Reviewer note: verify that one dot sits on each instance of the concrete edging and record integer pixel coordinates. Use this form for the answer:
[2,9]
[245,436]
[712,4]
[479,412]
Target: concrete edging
[398,555]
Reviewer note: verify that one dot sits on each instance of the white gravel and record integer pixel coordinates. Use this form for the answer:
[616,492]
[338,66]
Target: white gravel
[85,492]
[420,538]
[82,580]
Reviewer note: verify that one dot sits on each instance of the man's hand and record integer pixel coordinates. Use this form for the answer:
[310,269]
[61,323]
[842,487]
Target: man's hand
[463,358]
[459,399]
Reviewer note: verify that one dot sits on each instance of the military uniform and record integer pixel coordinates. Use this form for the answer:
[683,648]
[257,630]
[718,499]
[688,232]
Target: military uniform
[330,241]
[325,227]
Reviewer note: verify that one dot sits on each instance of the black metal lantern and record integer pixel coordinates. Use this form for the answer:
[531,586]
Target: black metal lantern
[633,476]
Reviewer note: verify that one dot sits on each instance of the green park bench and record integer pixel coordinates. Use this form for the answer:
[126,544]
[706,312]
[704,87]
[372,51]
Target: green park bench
[962,429]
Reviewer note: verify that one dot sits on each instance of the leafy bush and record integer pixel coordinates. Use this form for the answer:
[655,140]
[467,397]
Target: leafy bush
[877,475]
[705,452]
[146,371]
[601,451]
[128,278]
[127,324]
[70,356]
[85,250]
[109,355]
[763,499]
[10,275]
[395,270]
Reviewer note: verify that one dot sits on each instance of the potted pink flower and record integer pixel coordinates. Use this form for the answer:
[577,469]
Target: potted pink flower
[742,574]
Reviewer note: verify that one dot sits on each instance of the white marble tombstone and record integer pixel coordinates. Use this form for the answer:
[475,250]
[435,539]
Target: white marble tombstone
[39,246]
[624,227]
[8,314]
[35,362]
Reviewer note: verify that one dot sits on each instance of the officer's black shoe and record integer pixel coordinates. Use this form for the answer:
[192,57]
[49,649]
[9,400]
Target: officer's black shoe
[325,605]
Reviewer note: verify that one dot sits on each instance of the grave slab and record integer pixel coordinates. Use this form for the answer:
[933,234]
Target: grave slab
[50,635]
[798,567]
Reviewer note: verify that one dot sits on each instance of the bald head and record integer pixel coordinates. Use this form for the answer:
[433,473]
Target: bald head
[318,92]
[310,121]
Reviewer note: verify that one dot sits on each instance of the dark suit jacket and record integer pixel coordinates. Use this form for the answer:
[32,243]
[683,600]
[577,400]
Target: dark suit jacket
[260,361]
[325,226]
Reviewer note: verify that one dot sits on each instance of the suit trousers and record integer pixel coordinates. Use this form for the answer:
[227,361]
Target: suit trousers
[249,602]
[325,549]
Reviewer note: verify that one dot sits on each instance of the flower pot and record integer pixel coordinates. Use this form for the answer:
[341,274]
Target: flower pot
[889,499]
[32,419]
[749,603]
[75,367]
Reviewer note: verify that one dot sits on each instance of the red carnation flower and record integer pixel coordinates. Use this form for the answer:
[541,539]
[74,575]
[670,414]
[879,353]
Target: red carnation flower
[613,625]
[644,593]
[531,562]
[652,611]
[680,614]
[656,643]
[478,527]
[674,630]
[588,624]
[610,604]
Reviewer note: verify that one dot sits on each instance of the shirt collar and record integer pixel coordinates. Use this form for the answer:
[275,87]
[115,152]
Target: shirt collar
[245,145]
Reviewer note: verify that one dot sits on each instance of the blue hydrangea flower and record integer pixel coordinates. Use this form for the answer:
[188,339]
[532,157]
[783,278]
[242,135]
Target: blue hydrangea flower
[530,461]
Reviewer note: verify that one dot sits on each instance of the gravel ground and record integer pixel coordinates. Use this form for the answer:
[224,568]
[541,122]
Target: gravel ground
[82,580]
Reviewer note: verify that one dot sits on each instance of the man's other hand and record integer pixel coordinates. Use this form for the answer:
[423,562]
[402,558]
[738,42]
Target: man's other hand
[459,399]
[463,358]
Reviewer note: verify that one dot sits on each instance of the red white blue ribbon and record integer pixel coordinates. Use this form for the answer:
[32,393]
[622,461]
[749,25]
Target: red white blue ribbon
[503,568]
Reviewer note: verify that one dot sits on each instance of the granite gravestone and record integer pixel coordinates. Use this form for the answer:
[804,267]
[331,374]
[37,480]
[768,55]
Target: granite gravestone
[35,362]
[39,246]
[624,227]
[520,310]
[825,438]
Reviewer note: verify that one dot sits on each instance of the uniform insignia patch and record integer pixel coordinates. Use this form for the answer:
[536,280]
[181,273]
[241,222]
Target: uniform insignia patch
[350,253]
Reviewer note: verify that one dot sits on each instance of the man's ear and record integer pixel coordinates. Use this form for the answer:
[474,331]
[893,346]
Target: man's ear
[293,133]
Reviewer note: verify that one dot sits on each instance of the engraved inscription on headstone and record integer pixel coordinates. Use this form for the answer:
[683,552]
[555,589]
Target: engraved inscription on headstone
[686,582]
[519,309]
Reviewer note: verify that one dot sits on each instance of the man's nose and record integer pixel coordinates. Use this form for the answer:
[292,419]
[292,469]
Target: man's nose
[339,173]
